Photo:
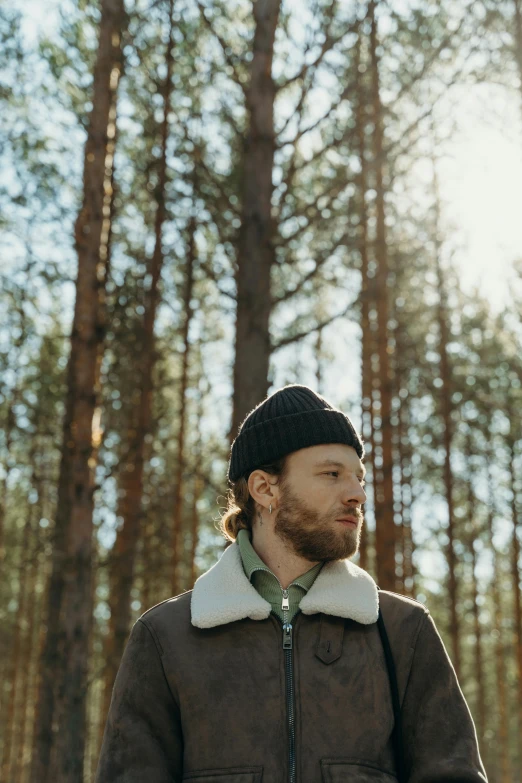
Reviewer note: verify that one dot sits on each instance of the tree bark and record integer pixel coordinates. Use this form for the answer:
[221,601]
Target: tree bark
[197,489]
[8,437]
[366,298]
[26,656]
[404,460]
[503,751]
[318,357]
[474,535]
[255,247]
[177,517]
[9,768]
[123,556]
[385,535]
[515,572]
[32,679]
[69,613]
[447,438]
[29,642]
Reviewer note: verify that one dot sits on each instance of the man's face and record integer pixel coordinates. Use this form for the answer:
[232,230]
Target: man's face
[323,484]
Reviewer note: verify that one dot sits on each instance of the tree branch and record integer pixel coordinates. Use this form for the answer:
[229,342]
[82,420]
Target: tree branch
[224,47]
[329,42]
[312,210]
[310,275]
[300,335]
[212,274]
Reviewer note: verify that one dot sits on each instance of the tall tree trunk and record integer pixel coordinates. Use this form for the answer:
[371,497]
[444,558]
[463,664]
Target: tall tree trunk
[9,762]
[177,517]
[318,357]
[479,666]
[32,679]
[42,638]
[385,524]
[147,556]
[8,438]
[9,425]
[255,248]
[404,459]
[30,613]
[503,750]
[515,570]
[69,613]
[197,485]
[197,489]
[409,542]
[367,297]
[123,556]
[447,438]
[198,481]
[26,655]
[405,518]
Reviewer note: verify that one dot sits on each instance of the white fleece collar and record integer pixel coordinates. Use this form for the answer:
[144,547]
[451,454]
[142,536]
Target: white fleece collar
[223,594]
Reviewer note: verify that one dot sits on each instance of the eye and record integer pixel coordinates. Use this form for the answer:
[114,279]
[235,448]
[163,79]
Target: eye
[332,473]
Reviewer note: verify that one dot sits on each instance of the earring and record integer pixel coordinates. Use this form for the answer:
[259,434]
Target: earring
[270,508]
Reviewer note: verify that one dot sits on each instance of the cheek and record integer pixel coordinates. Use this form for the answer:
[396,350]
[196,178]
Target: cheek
[316,495]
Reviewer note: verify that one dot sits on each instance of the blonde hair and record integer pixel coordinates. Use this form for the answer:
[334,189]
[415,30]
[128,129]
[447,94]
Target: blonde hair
[241,506]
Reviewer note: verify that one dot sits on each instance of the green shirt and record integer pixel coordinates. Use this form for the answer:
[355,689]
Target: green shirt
[268,585]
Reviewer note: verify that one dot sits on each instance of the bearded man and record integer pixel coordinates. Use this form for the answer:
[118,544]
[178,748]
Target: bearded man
[285,663]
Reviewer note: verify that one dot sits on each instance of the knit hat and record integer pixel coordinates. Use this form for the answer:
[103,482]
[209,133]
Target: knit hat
[292,418]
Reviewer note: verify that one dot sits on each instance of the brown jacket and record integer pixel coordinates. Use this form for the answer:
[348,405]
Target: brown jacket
[207,693]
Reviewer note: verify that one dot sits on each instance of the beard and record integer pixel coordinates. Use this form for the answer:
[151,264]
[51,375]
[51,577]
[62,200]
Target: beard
[315,536]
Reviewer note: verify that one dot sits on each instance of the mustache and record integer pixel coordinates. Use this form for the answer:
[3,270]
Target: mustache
[352,512]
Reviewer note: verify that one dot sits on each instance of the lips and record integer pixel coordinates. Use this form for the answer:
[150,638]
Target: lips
[348,521]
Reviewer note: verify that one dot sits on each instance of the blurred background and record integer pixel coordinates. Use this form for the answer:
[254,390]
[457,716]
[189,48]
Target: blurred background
[200,202]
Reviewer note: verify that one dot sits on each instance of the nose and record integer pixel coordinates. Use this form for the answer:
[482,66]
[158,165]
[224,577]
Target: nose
[355,494]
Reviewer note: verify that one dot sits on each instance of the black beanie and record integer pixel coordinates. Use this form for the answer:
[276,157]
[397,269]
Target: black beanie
[292,418]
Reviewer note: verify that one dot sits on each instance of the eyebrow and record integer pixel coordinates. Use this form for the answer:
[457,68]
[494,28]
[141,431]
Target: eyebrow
[327,462]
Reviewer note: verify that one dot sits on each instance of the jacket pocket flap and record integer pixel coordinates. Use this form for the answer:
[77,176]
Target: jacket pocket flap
[354,771]
[228,775]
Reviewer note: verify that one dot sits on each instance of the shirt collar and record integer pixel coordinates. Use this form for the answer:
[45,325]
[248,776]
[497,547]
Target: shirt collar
[252,562]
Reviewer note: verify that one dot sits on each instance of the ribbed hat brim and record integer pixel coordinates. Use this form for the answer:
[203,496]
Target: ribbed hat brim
[273,438]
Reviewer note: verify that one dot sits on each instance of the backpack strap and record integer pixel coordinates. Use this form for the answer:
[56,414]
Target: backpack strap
[397,741]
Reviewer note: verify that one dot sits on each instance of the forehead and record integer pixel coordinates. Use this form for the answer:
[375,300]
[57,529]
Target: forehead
[336,454]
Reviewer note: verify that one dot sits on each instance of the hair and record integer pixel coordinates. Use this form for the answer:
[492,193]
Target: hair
[241,506]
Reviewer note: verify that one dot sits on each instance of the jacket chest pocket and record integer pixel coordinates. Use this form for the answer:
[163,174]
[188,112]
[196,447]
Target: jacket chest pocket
[353,771]
[228,775]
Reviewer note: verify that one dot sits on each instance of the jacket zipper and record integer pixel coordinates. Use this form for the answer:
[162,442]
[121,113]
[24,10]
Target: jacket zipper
[289,686]
[289,676]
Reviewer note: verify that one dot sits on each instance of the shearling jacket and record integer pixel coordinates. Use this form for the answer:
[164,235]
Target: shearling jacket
[213,689]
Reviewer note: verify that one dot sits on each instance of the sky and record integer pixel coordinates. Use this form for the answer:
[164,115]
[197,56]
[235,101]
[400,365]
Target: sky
[481,186]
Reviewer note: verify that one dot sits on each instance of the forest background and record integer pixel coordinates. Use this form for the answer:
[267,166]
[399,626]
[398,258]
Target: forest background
[201,202]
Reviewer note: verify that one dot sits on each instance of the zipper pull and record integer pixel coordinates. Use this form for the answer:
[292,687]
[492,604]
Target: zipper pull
[286,602]
[287,636]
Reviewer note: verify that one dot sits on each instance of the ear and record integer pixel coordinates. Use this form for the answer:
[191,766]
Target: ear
[264,488]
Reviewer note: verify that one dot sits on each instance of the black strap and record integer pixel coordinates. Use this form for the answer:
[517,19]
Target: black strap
[397,728]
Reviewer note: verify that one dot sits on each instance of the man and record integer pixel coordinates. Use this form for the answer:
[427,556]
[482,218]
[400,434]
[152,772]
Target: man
[273,668]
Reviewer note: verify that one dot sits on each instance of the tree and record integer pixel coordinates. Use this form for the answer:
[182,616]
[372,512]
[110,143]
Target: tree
[123,555]
[255,247]
[69,614]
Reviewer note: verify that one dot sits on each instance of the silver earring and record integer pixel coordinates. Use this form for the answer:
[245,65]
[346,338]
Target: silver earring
[270,508]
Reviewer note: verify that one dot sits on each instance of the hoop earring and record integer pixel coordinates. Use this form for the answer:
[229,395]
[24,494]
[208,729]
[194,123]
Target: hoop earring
[270,508]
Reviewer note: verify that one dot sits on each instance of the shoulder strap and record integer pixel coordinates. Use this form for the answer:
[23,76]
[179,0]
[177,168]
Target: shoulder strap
[397,729]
